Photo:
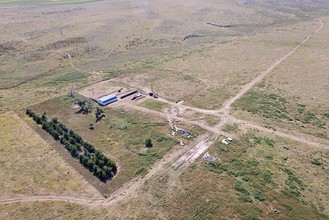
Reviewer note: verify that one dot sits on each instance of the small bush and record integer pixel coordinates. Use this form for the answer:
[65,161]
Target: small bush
[316,162]
[287,207]
[245,197]
[238,185]
[267,177]
[140,170]
[259,195]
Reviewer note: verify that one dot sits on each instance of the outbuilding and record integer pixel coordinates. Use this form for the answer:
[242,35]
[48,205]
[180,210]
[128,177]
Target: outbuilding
[107,99]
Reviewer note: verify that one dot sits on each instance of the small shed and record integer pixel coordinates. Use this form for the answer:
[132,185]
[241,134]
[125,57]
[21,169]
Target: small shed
[107,99]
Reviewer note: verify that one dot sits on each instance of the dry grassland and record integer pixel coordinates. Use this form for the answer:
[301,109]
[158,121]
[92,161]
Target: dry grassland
[295,94]
[31,167]
[220,69]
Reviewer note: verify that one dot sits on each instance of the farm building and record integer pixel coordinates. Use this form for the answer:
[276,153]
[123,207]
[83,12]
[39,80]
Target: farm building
[107,99]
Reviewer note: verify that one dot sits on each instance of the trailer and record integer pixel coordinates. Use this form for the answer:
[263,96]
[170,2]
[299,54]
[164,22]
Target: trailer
[128,94]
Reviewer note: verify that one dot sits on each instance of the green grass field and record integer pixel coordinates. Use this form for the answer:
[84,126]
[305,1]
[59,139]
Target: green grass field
[43,2]
[120,135]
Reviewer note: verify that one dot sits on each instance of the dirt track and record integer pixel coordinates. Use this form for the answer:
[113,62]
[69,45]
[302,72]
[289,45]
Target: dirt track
[250,85]
[82,201]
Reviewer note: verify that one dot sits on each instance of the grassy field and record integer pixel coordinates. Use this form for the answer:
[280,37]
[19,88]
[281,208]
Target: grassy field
[154,105]
[43,2]
[120,135]
[31,167]
[37,210]
[257,177]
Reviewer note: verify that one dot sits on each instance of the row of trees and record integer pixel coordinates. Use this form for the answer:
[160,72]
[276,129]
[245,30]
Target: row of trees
[93,159]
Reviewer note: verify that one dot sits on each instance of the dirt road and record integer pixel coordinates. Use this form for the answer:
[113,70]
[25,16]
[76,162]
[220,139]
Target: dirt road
[163,166]
[191,155]
[72,199]
[164,115]
[306,139]
[251,84]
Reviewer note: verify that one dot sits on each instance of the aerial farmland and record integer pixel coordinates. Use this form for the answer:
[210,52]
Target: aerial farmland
[164,109]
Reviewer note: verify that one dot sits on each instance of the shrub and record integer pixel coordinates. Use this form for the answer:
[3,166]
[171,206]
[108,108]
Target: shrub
[316,162]
[238,185]
[267,177]
[245,197]
[259,195]
[148,143]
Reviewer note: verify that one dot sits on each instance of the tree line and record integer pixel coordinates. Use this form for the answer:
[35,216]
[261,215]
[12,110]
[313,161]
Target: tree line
[91,158]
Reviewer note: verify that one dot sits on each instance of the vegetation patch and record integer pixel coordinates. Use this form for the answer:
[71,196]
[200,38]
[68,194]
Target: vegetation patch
[71,77]
[316,162]
[243,192]
[267,105]
[326,115]
[231,128]
[102,167]
[154,105]
[292,183]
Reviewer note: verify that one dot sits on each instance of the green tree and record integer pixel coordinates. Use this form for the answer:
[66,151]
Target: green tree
[44,117]
[84,107]
[99,114]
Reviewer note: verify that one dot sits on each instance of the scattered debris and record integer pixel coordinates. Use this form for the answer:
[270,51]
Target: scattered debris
[175,129]
[181,143]
[209,158]
[184,132]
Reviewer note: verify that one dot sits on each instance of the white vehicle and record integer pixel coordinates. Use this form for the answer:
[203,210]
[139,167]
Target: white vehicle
[227,141]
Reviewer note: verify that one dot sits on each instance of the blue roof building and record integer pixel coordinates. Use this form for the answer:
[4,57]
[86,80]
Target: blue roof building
[107,99]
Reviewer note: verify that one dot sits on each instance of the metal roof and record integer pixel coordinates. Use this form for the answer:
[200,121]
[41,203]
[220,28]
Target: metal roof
[103,99]
[107,99]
